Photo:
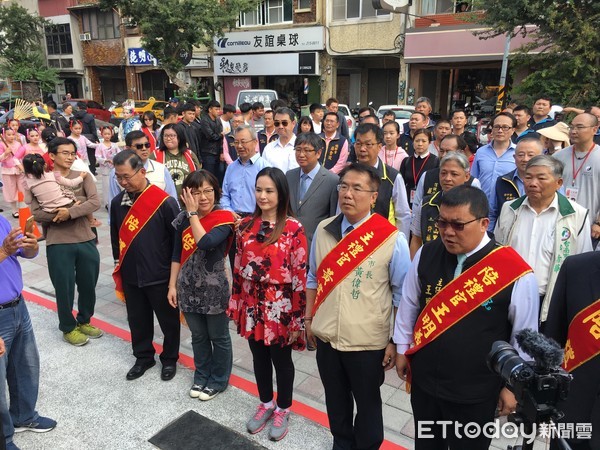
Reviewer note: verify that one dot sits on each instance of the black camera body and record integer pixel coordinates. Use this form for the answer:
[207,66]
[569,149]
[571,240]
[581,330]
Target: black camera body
[538,386]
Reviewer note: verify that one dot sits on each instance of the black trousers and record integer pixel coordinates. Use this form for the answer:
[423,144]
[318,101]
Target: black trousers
[264,358]
[428,408]
[348,377]
[142,304]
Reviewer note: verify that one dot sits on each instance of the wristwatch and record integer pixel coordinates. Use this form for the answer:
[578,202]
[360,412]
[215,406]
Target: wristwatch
[190,214]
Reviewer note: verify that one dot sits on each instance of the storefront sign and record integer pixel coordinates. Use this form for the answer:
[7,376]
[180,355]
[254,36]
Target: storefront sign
[264,41]
[140,57]
[280,64]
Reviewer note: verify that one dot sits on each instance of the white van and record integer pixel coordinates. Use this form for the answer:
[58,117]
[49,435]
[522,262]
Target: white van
[264,96]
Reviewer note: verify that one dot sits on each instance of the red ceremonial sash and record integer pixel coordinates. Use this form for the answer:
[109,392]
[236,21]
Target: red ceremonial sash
[159,156]
[138,216]
[208,222]
[349,253]
[465,293]
[583,338]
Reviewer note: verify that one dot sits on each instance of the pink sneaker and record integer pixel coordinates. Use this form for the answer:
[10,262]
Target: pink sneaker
[279,427]
[260,418]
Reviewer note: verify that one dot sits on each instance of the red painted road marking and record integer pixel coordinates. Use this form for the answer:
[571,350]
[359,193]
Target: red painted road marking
[299,408]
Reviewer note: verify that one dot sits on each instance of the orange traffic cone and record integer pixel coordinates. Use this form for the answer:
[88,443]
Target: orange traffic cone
[24,214]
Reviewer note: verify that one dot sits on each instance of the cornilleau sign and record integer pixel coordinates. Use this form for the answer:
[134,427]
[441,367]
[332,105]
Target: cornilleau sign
[298,39]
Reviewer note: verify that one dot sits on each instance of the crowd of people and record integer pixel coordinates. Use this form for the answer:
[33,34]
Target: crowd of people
[410,247]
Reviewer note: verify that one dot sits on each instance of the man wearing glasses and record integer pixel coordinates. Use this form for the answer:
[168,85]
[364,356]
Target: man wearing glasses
[313,193]
[460,290]
[497,157]
[280,153]
[142,244]
[358,262]
[582,168]
[73,259]
[335,156]
[391,201]
[156,173]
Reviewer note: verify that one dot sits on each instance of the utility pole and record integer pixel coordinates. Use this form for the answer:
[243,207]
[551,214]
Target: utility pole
[502,84]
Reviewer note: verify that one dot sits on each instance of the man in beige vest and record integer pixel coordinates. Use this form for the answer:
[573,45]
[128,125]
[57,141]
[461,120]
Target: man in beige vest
[358,262]
[156,173]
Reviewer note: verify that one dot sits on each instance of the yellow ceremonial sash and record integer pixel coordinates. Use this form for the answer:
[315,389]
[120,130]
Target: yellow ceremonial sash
[138,216]
[583,338]
[208,222]
[465,293]
[349,253]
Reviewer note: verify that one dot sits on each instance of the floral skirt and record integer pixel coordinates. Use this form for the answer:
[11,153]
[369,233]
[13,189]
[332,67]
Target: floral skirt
[264,312]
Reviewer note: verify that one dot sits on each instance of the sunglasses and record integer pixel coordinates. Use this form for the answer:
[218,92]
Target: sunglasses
[265,229]
[456,226]
[141,146]
[279,123]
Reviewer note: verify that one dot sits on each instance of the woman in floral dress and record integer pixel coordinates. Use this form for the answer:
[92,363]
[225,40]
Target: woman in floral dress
[268,297]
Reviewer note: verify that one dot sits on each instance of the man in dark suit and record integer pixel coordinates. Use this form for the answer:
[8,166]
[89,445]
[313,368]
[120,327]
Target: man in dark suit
[577,289]
[313,189]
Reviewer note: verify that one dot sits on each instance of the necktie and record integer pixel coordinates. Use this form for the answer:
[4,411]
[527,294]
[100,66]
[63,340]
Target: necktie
[303,186]
[348,230]
[461,260]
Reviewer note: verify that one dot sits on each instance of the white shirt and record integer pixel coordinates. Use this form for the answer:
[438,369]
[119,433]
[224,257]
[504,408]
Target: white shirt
[533,239]
[226,126]
[523,310]
[316,126]
[281,156]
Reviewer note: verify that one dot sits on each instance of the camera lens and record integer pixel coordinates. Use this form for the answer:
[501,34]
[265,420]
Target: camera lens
[504,360]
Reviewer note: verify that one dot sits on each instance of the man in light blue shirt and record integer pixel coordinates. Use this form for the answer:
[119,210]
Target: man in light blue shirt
[496,158]
[240,177]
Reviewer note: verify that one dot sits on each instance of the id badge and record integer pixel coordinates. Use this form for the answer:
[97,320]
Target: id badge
[412,195]
[571,193]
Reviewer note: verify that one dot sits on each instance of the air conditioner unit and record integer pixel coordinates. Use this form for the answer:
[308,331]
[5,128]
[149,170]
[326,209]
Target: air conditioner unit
[85,37]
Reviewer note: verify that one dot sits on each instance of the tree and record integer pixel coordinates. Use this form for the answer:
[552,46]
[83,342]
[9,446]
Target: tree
[564,56]
[22,59]
[168,27]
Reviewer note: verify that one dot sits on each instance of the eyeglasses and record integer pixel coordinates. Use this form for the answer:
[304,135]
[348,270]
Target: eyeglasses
[578,128]
[169,136]
[306,151]
[206,192]
[67,154]
[265,228]
[368,145]
[141,146]
[281,123]
[501,127]
[127,177]
[343,188]
[456,226]
[238,143]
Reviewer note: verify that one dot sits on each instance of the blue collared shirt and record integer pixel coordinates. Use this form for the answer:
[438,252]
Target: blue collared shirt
[11,278]
[311,175]
[397,269]
[487,166]
[239,183]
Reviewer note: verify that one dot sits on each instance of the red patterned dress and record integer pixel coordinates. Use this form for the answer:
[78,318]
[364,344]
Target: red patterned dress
[268,295]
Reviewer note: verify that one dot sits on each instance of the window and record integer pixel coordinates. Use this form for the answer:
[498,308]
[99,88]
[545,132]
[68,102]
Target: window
[304,4]
[355,9]
[58,39]
[438,6]
[268,12]
[101,24]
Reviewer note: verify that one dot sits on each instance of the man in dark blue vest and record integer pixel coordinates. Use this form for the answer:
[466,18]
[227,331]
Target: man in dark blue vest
[462,287]
[391,202]
[335,155]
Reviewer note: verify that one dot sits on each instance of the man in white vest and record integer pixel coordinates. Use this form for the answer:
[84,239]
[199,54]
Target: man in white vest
[358,261]
[156,173]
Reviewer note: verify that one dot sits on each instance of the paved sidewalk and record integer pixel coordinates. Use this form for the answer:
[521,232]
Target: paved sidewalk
[398,421]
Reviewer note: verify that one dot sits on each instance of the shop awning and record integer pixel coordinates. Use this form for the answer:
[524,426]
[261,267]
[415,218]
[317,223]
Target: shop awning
[454,44]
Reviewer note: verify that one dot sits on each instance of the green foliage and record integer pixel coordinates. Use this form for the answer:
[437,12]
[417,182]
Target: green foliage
[168,26]
[20,36]
[564,57]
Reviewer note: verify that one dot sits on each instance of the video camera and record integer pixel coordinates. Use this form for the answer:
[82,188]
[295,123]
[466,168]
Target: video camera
[539,385]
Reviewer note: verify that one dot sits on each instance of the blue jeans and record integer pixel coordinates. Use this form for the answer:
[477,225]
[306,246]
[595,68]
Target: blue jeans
[20,367]
[213,355]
